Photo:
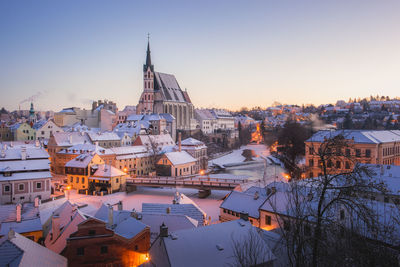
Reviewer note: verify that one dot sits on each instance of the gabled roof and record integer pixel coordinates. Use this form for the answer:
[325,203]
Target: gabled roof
[81,161]
[17,250]
[70,138]
[123,223]
[30,219]
[105,136]
[191,142]
[185,207]
[243,202]
[179,157]
[209,245]
[107,171]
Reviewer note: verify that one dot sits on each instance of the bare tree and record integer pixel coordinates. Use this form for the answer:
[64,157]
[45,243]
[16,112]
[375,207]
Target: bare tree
[331,220]
[251,249]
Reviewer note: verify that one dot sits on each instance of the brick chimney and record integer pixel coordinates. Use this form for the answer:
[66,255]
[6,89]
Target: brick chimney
[18,212]
[180,141]
[120,205]
[163,230]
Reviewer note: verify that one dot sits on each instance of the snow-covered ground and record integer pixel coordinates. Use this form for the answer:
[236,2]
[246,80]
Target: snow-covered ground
[134,200]
[236,155]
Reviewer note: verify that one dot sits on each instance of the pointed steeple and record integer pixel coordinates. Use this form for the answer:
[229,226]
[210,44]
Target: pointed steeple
[148,57]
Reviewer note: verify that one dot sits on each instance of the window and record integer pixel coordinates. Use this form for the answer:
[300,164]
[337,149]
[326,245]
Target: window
[368,153]
[38,185]
[386,199]
[330,164]
[136,247]
[342,215]
[267,220]
[117,181]
[338,164]
[80,251]
[224,210]
[92,232]
[347,165]
[104,250]
[71,179]
[358,153]
[347,152]
[77,180]
[83,180]
[21,187]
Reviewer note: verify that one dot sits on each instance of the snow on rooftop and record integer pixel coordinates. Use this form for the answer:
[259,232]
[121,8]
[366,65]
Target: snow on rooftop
[105,136]
[105,170]
[179,157]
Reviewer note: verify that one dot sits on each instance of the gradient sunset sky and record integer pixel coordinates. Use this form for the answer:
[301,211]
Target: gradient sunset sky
[226,53]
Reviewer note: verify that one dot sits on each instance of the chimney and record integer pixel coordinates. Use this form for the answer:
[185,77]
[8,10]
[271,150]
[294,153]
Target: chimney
[23,153]
[37,202]
[110,216]
[11,234]
[256,195]
[163,230]
[244,216]
[168,210]
[37,143]
[70,139]
[180,141]
[19,211]
[120,205]
[55,225]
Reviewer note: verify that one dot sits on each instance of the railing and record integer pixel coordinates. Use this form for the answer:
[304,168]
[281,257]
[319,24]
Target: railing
[184,183]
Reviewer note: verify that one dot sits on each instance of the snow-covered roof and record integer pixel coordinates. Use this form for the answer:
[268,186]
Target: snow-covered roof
[105,170]
[24,165]
[69,217]
[169,87]
[14,153]
[243,202]
[81,161]
[30,219]
[105,136]
[86,148]
[70,138]
[208,246]
[205,114]
[135,117]
[359,136]
[186,207]
[27,176]
[123,223]
[191,142]
[159,141]
[179,157]
[174,222]
[17,250]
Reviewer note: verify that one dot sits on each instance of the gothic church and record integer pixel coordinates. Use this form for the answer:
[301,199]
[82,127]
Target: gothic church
[162,94]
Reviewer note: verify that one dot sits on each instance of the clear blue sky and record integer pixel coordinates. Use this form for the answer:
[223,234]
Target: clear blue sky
[226,53]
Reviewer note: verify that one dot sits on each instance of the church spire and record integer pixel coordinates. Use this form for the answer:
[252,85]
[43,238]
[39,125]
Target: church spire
[148,57]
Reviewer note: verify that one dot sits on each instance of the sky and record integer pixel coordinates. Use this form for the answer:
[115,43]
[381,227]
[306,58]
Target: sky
[227,54]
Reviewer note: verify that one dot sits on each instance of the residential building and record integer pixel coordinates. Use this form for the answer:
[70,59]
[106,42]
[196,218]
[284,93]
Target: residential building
[62,223]
[5,132]
[134,160]
[105,139]
[60,141]
[45,128]
[108,238]
[80,169]
[24,174]
[107,179]
[197,150]
[22,132]
[155,143]
[72,152]
[206,119]
[17,250]
[364,146]
[23,219]
[177,163]
[213,245]
[162,94]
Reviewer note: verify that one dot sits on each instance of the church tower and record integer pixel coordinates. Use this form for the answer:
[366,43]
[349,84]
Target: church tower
[32,118]
[147,97]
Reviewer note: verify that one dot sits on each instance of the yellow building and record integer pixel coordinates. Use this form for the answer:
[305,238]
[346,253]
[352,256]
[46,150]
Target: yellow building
[364,146]
[80,169]
[133,160]
[108,179]
[22,132]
